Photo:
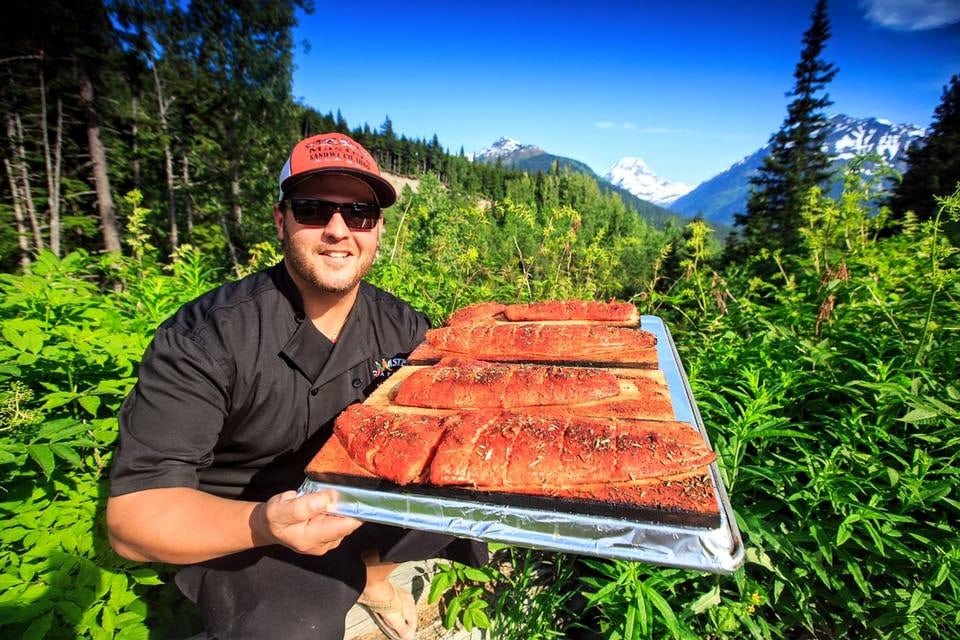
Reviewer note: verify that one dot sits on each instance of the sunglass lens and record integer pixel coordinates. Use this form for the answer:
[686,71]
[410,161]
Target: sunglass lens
[356,215]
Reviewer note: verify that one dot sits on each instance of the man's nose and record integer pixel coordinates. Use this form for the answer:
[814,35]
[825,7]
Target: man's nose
[336,228]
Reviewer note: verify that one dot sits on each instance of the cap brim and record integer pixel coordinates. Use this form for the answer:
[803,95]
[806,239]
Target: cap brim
[386,194]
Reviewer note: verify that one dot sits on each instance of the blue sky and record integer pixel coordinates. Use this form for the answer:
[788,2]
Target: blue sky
[689,86]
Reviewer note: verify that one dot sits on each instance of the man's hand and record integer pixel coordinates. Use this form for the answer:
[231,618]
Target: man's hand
[300,523]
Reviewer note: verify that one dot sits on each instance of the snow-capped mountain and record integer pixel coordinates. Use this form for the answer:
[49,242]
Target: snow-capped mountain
[635,176]
[852,137]
[507,150]
[725,194]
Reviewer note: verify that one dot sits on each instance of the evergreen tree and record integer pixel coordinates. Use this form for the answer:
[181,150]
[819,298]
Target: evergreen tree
[797,160]
[933,167]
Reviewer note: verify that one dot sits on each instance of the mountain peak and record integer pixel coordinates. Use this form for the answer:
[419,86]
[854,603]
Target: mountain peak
[633,174]
[847,137]
[503,148]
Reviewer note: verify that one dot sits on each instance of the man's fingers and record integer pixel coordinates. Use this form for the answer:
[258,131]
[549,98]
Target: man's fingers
[291,509]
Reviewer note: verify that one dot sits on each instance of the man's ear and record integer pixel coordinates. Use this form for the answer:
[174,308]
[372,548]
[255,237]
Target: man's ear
[278,220]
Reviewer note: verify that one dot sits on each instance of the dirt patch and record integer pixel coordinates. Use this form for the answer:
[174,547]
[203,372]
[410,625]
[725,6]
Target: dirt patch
[399,182]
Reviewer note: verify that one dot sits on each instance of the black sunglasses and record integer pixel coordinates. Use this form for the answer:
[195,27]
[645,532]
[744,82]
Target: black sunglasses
[356,215]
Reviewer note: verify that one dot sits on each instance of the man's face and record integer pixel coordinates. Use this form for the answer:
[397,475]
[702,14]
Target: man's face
[331,258]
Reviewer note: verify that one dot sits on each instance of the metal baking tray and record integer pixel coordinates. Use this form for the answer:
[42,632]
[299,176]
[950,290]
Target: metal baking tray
[718,550]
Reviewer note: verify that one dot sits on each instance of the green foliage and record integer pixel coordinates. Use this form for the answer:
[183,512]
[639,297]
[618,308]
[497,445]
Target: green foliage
[70,350]
[829,392]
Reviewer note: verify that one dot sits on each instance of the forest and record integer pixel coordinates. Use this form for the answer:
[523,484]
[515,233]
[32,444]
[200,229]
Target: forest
[142,144]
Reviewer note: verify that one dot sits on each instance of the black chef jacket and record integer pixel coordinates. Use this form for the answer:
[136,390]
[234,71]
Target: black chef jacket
[238,390]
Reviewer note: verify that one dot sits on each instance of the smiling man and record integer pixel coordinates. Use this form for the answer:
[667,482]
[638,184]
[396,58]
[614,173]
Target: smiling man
[236,393]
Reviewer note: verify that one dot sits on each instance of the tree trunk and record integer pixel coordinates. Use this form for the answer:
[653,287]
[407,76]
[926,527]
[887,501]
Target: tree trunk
[23,238]
[188,195]
[167,162]
[22,171]
[52,161]
[98,158]
[134,140]
[231,248]
[232,226]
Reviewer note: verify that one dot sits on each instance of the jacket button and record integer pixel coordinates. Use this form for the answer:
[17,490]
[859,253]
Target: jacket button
[357,383]
[314,391]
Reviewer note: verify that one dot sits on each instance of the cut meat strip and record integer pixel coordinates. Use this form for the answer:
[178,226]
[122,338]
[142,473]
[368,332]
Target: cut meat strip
[540,341]
[471,384]
[473,447]
[481,312]
[394,446]
[573,310]
[464,455]
[333,459]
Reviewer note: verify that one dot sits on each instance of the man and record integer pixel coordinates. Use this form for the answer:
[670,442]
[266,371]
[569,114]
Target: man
[237,392]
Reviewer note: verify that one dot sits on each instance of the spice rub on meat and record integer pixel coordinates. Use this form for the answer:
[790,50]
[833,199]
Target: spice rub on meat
[549,311]
[481,312]
[394,446]
[538,342]
[471,384]
[573,310]
[520,451]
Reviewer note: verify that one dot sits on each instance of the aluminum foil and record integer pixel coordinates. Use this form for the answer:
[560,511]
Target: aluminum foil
[718,550]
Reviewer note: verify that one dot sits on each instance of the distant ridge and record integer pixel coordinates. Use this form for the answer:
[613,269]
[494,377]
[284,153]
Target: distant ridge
[532,159]
[725,194]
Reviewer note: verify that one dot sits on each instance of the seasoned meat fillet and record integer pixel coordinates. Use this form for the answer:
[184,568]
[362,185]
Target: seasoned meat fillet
[573,310]
[394,446]
[517,450]
[471,384]
[481,312]
[539,341]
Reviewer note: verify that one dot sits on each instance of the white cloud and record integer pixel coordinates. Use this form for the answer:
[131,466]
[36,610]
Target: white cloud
[609,124]
[912,15]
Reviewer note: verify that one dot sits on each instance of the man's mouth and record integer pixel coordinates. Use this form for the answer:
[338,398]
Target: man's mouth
[340,255]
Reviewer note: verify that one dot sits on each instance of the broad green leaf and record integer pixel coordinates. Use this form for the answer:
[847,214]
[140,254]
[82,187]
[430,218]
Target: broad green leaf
[439,585]
[917,600]
[146,576]
[136,631]
[919,414]
[38,628]
[669,617]
[450,615]
[942,574]
[477,575]
[43,456]
[90,404]
[706,601]
[67,453]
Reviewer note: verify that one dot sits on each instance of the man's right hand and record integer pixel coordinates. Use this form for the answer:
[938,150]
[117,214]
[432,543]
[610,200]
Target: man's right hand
[301,523]
[180,525]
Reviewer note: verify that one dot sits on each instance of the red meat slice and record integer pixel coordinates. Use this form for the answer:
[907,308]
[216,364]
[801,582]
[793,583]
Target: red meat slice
[333,459]
[573,310]
[395,446]
[541,342]
[513,451]
[481,312]
[471,384]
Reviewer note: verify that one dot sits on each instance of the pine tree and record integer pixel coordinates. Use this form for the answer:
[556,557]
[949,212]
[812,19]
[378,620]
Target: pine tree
[797,160]
[933,167]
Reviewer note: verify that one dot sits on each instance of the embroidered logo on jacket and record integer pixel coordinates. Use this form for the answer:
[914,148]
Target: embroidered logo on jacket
[386,366]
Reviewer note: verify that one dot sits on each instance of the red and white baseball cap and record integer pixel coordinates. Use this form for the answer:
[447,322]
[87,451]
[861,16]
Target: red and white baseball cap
[335,153]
